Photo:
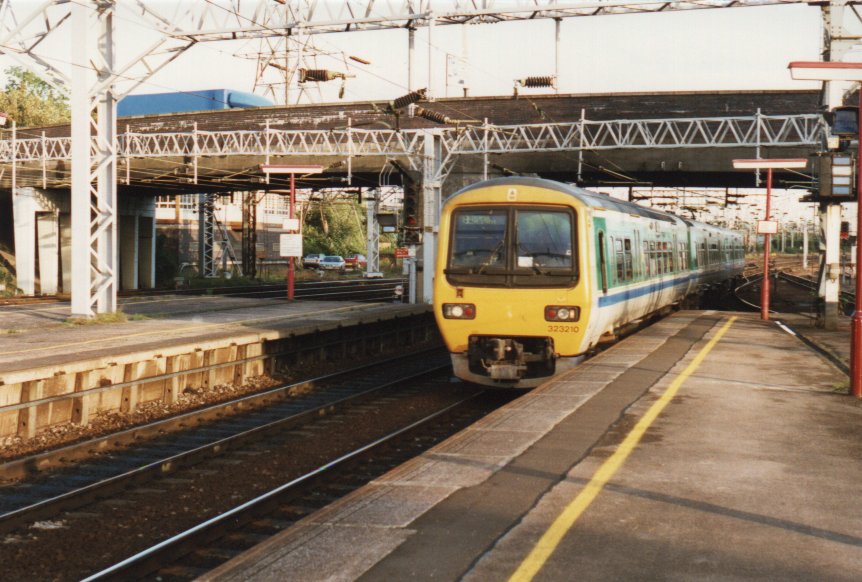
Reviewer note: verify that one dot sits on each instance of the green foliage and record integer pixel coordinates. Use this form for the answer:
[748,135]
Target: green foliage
[334,229]
[30,101]
[7,278]
[7,282]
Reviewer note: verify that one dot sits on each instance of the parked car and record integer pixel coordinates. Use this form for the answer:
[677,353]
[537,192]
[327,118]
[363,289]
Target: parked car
[332,263]
[355,261]
[312,261]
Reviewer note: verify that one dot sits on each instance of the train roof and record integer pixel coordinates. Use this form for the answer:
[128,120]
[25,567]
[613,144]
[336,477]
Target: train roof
[592,199]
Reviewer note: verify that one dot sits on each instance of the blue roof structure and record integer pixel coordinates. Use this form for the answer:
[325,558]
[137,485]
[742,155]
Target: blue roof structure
[206,100]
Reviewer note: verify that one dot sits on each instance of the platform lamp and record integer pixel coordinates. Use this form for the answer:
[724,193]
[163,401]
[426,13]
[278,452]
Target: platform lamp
[837,71]
[292,226]
[767,227]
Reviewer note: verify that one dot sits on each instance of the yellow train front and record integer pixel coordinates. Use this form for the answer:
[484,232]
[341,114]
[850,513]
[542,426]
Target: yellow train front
[531,274]
[510,294]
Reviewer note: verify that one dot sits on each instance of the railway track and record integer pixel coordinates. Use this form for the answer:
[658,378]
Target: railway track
[142,478]
[207,545]
[348,289]
[790,294]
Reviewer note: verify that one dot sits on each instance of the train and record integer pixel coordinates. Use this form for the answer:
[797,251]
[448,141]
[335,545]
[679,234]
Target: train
[532,275]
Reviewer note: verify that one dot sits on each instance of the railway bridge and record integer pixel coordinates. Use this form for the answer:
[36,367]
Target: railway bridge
[670,139]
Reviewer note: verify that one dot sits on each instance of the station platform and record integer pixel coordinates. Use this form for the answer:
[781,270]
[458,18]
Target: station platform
[36,336]
[53,372]
[710,446]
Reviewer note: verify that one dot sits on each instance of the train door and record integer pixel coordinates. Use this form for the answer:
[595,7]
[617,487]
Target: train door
[603,262]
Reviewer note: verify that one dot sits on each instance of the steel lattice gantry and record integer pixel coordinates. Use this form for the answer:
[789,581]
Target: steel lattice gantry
[584,135]
[96,81]
[91,78]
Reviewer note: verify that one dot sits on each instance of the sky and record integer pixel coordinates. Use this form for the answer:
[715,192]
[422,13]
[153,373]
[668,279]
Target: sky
[714,49]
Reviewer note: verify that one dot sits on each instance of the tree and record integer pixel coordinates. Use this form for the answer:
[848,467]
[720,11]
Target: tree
[332,228]
[30,101]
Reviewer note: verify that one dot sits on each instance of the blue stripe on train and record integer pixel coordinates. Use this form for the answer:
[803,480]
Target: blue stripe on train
[607,300]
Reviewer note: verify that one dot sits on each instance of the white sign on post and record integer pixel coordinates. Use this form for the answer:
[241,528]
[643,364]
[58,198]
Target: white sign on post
[767,227]
[291,224]
[290,245]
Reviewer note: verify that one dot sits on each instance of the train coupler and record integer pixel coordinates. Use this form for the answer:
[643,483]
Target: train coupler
[510,359]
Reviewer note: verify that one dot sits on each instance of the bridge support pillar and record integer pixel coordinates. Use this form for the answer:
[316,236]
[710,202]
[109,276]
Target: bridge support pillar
[43,242]
[128,252]
[37,218]
[137,243]
[147,250]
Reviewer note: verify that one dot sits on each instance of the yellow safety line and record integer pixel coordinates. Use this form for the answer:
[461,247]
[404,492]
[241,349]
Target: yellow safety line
[564,522]
[182,329]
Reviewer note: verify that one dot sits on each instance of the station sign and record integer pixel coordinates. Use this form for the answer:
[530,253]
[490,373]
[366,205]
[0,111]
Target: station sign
[767,227]
[402,253]
[290,245]
[291,224]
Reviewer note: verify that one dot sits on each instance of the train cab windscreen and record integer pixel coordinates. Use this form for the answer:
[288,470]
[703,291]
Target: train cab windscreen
[513,247]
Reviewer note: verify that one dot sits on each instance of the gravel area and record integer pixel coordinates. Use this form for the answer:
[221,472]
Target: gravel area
[114,421]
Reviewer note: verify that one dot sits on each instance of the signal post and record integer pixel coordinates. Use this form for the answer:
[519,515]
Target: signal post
[841,71]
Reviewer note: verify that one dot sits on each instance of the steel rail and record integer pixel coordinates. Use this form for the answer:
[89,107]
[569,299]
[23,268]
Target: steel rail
[753,306]
[148,560]
[83,495]
[845,296]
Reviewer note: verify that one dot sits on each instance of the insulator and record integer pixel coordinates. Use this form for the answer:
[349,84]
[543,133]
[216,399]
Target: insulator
[406,100]
[319,75]
[434,116]
[359,60]
[545,81]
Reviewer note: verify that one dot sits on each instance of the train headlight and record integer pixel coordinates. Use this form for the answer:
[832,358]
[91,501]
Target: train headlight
[562,313]
[459,311]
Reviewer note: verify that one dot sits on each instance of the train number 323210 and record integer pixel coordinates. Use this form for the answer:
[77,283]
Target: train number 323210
[563,329]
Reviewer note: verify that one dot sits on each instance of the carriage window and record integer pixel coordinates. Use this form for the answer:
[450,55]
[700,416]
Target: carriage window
[646,259]
[627,256]
[479,239]
[499,246]
[618,247]
[654,265]
[544,239]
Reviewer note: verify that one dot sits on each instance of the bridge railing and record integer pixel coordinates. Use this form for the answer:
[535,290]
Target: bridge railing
[709,132]
[757,130]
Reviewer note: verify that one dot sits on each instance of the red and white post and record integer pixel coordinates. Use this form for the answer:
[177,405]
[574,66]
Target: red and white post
[293,171]
[767,227]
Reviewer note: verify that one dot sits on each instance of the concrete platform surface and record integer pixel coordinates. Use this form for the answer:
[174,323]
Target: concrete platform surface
[36,337]
[710,446]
